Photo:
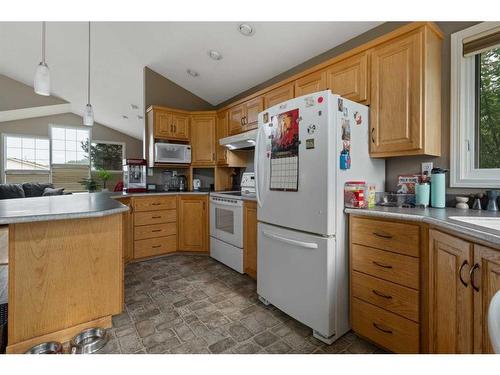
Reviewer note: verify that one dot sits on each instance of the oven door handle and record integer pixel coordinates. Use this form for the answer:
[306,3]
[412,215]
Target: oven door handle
[307,245]
[219,203]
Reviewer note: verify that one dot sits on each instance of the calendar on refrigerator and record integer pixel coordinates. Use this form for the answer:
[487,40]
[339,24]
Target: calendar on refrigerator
[284,171]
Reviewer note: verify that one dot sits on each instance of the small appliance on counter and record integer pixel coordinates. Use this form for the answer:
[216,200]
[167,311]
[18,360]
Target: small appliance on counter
[196,184]
[182,183]
[134,175]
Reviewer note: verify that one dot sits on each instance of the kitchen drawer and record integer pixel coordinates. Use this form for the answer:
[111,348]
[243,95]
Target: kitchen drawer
[155,230]
[155,217]
[386,329]
[155,203]
[155,246]
[400,269]
[400,238]
[393,297]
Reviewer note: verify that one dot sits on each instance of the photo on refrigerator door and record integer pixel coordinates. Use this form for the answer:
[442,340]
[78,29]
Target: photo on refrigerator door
[285,151]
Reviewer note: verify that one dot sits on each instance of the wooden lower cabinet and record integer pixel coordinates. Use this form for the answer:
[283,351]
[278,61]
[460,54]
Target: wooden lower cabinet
[128,231]
[192,212]
[250,238]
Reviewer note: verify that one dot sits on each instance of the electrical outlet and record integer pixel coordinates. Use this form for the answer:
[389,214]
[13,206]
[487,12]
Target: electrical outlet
[427,167]
[150,172]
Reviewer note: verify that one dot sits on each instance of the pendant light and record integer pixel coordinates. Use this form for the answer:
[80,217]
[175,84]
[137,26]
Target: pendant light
[88,113]
[42,74]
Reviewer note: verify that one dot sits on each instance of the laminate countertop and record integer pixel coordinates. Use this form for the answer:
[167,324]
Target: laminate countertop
[59,207]
[148,194]
[438,217]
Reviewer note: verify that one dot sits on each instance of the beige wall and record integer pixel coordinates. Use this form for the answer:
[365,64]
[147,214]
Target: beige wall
[159,90]
[17,95]
[400,165]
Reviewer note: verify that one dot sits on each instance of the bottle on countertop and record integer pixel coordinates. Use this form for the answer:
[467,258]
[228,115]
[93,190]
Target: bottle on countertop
[438,187]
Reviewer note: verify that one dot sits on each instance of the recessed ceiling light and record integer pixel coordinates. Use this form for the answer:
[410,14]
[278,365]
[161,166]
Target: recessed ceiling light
[125,117]
[246,29]
[133,106]
[214,55]
[192,73]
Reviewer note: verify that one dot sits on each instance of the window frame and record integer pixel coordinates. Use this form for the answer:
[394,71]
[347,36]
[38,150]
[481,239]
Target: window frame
[124,153]
[6,171]
[51,126]
[463,171]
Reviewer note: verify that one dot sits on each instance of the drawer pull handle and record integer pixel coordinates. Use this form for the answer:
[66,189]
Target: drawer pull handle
[471,276]
[376,292]
[465,263]
[155,204]
[155,217]
[382,235]
[156,230]
[155,246]
[381,265]
[382,329]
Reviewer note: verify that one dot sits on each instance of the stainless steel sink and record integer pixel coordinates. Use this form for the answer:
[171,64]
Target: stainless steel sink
[486,222]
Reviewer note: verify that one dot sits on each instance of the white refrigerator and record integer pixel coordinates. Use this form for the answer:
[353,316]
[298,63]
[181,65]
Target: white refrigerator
[306,149]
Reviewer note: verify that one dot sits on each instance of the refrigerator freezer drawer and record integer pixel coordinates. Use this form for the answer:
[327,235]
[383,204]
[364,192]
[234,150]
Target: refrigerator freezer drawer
[230,255]
[296,274]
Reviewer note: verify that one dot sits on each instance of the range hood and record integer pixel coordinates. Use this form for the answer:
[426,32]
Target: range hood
[241,141]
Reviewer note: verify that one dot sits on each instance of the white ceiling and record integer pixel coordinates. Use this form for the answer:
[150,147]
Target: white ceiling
[120,50]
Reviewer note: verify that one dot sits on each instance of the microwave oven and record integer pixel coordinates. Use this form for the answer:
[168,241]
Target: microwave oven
[172,153]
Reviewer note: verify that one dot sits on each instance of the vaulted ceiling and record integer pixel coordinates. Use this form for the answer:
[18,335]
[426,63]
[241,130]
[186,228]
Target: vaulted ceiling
[120,50]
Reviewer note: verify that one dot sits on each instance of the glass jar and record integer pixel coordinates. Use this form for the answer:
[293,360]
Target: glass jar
[355,194]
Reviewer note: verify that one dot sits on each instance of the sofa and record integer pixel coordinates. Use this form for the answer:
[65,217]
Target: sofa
[28,190]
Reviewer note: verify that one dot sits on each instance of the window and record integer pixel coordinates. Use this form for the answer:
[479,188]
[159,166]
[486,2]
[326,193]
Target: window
[107,155]
[70,145]
[475,107]
[26,159]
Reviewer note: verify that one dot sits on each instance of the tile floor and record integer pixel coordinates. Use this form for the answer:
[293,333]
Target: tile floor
[194,304]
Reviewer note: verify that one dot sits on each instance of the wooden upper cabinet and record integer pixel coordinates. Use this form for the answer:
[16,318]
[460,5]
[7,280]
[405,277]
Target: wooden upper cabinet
[349,78]
[236,115]
[279,95]
[486,281]
[405,114]
[252,109]
[450,294]
[192,211]
[221,131]
[203,139]
[180,125]
[168,124]
[313,82]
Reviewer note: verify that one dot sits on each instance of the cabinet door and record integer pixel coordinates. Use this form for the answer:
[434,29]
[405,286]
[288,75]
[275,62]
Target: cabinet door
[313,82]
[221,131]
[180,124]
[279,95]
[193,222]
[450,294]
[395,111]
[128,230]
[250,239]
[162,124]
[252,109]
[349,78]
[203,140]
[236,115]
[486,280]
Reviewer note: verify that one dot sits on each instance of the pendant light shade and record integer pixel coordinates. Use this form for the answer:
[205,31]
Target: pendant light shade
[88,113]
[42,73]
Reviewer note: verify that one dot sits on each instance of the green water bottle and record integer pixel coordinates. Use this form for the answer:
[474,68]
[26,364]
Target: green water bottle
[438,188]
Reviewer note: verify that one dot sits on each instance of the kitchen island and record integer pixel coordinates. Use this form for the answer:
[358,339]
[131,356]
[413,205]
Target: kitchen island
[65,256]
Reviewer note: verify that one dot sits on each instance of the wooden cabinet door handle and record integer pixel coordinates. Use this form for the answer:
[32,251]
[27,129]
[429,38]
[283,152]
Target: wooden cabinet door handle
[156,230]
[380,294]
[382,235]
[471,277]
[373,139]
[156,246]
[465,263]
[382,329]
[155,217]
[381,265]
[155,204]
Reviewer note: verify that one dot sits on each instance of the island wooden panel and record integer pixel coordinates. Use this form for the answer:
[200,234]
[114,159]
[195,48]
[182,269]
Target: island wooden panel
[62,274]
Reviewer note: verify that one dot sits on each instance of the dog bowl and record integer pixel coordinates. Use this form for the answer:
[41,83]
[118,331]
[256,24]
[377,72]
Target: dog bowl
[89,341]
[52,347]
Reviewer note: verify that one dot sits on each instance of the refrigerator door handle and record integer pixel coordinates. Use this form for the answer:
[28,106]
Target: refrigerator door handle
[307,245]
[256,166]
